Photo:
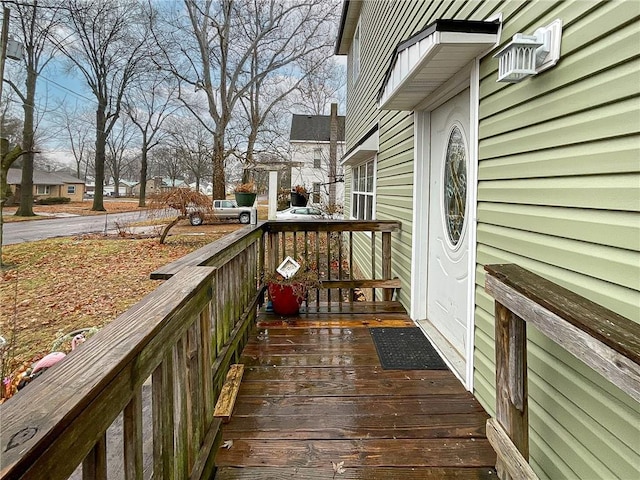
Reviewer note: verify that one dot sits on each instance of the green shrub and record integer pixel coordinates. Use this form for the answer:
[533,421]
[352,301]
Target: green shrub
[53,200]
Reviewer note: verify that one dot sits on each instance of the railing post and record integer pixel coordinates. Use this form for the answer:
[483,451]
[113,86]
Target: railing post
[386,264]
[511,381]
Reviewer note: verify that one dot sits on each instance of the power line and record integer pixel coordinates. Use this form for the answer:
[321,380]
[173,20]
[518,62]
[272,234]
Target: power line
[93,100]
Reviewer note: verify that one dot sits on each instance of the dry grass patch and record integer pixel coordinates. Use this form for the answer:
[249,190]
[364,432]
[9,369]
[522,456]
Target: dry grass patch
[61,285]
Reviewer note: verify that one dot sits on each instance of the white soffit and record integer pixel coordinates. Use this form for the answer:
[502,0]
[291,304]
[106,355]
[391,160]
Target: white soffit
[424,62]
[363,150]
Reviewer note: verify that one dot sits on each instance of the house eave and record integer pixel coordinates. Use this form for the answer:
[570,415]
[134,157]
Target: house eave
[426,61]
[348,23]
[366,148]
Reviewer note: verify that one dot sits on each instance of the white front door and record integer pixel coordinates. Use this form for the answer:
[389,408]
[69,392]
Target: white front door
[448,276]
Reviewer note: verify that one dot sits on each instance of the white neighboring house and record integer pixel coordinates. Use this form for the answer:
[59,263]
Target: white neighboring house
[310,141]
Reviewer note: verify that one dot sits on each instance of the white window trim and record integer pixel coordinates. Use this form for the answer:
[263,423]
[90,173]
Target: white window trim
[374,193]
[43,190]
[71,189]
[356,56]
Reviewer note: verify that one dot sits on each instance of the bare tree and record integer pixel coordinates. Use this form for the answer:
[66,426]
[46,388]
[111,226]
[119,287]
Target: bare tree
[106,41]
[148,106]
[168,164]
[36,20]
[223,65]
[77,127]
[193,147]
[322,84]
[119,158]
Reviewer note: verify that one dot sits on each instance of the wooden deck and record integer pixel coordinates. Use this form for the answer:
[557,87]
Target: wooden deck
[314,394]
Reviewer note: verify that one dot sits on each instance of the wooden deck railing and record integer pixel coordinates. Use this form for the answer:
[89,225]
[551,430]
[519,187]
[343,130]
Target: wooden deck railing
[604,340]
[328,246]
[159,367]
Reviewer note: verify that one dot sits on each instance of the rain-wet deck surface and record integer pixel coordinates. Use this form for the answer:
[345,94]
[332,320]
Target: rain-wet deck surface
[313,393]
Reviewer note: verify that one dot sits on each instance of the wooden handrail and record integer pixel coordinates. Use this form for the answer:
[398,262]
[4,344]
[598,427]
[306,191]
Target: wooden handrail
[607,342]
[213,254]
[183,336]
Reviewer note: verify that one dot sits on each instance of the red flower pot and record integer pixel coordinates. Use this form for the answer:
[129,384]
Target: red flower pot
[286,299]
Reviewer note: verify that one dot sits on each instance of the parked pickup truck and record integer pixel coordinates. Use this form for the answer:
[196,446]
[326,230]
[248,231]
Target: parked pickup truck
[222,210]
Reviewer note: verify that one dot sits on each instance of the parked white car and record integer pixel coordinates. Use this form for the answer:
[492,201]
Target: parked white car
[299,213]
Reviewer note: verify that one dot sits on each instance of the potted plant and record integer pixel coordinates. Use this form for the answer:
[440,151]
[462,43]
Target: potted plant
[288,286]
[245,194]
[299,196]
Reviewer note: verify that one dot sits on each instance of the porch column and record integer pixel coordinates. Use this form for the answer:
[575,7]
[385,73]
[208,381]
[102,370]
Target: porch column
[273,194]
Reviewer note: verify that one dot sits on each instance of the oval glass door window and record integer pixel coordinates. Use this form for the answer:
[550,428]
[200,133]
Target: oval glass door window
[455,185]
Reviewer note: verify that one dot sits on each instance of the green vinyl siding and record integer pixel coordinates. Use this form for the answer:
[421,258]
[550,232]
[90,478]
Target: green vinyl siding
[559,194]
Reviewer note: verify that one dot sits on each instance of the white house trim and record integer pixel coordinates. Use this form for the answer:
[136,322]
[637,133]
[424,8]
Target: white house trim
[366,148]
[424,62]
[467,77]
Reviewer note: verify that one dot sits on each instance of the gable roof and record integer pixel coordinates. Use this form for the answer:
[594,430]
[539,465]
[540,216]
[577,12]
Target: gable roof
[14,177]
[314,128]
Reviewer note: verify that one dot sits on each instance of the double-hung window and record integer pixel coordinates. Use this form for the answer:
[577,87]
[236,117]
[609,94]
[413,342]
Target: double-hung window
[71,189]
[362,191]
[43,190]
[317,158]
[316,192]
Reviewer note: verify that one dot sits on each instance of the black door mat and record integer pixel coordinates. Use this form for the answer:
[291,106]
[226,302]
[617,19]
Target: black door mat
[405,348]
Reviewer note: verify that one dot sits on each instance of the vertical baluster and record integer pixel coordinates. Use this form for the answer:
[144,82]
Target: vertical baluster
[205,362]
[274,248]
[261,245]
[194,399]
[283,238]
[317,234]
[162,411]
[328,267]
[182,423]
[340,267]
[295,246]
[218,293]
[351,290]
[373,263]
[386,264]
[306,262]
[132,433]
[94,466]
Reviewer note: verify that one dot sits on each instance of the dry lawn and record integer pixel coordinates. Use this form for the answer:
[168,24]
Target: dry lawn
[60,285]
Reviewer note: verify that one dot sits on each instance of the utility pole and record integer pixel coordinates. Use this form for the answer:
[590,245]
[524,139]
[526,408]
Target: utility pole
[7,157]
[3,45]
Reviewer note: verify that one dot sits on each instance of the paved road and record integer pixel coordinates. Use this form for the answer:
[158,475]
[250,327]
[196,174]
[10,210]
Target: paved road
[18,232]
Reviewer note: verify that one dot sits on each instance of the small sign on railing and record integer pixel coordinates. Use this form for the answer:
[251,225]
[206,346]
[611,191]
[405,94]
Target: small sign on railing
[288,268]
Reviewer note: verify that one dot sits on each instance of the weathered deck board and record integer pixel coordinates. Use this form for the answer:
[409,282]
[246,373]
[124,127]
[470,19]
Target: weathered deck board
[355,473]
[314,392]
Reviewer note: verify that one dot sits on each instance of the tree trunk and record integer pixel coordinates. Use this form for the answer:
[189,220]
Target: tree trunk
[25,209]
[143,177]
[219,190]
[165,232]
[101,144]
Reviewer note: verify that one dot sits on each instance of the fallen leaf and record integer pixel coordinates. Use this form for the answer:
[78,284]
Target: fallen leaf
[338,468]
[227,444]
